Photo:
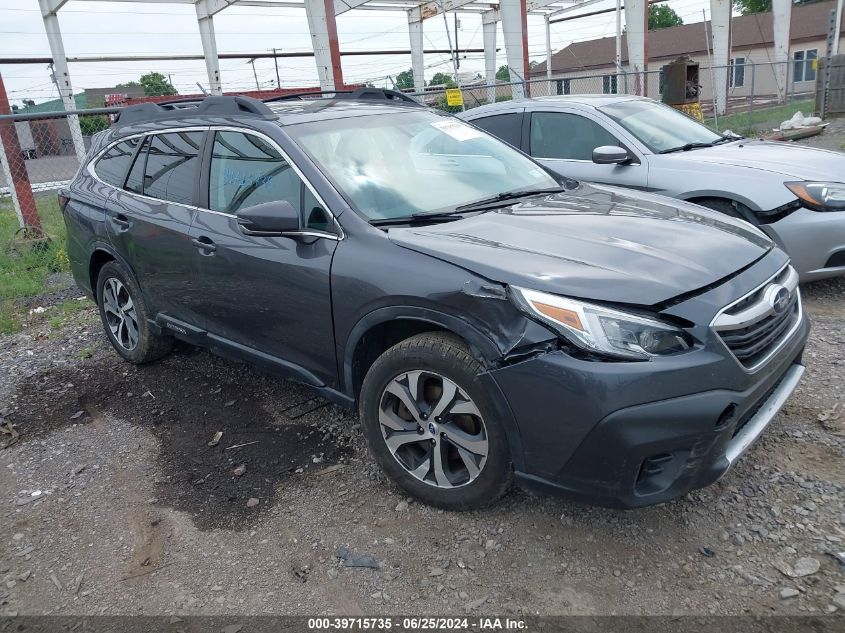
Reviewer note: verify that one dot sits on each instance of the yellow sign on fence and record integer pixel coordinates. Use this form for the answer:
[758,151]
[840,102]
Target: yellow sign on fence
[454,97]
[692,109]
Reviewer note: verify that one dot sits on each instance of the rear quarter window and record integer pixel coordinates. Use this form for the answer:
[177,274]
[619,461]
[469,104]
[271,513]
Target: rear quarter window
[112,165]
[507,127]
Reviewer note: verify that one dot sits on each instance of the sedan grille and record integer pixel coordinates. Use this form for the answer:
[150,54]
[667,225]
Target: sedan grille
[754,327]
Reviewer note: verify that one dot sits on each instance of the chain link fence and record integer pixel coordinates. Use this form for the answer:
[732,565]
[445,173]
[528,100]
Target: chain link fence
[38,155]
[758,96]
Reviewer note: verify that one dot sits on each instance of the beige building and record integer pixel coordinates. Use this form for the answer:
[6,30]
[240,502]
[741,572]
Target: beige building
[588,67]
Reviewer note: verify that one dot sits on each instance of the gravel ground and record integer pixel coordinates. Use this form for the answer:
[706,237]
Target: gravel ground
[113,502]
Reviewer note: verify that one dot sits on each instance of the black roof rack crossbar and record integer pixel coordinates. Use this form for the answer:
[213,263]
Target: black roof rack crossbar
[212,105]
[361,94]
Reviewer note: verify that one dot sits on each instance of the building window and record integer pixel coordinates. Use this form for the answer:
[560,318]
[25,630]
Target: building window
[564,87]
[737,75]
[804,65]
[609,84]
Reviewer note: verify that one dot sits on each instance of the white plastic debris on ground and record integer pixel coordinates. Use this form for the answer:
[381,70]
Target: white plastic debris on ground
[798,120]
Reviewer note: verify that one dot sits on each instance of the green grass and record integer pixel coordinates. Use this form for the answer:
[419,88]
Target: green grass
[760,120]
[24,264]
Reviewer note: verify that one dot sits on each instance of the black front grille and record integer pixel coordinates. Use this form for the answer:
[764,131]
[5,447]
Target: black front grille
[753,342]
[756,406]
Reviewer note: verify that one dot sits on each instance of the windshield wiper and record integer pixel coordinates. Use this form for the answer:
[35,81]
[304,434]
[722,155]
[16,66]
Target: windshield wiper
[727,139]
[505,196]
[685,148]
[418,218]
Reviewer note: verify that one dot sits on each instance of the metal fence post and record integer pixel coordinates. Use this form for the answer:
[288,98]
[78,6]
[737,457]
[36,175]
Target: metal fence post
[7,174]
[790,88]
[15,168]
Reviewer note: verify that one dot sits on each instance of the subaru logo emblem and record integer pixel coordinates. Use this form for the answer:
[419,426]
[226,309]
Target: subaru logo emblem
[780,299]
[432,428]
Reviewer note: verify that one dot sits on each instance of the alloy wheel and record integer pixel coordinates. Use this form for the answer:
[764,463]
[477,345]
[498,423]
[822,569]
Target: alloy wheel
[433,429]
[120,313]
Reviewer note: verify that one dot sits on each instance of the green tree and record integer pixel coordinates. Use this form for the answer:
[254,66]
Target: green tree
[661,16]
[747,7]
[503,74]
[442,79]
[92,124]
[154,84]
[405,80]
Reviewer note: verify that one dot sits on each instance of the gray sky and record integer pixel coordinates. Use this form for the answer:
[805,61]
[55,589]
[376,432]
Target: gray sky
[101,28]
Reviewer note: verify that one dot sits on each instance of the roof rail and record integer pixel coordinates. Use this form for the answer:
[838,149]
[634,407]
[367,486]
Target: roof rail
[212,105]
[361,94]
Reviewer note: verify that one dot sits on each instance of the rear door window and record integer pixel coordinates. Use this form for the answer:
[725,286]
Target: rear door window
[507,127]
[171,169]
[112,166]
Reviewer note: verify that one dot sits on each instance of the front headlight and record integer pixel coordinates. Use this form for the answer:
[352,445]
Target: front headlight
[602,330]
[820,196]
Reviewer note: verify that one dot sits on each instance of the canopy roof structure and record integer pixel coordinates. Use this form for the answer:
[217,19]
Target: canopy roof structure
[512,14]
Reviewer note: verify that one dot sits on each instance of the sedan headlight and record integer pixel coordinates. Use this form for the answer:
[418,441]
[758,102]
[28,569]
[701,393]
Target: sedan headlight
[602,330]
[820,196]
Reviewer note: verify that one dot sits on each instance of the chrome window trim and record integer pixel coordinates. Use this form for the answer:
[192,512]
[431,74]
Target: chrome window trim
[340,235]
[783,341]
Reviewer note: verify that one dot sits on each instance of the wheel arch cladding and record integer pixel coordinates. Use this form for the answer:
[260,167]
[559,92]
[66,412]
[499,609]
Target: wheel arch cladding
[99,258]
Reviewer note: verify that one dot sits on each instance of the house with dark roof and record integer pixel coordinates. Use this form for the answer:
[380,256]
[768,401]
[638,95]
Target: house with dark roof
[588,67]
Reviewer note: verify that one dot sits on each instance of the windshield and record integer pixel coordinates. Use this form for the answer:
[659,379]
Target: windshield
[658,126]
[408,163]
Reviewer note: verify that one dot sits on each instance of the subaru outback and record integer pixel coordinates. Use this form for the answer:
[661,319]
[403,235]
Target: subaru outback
[488,319]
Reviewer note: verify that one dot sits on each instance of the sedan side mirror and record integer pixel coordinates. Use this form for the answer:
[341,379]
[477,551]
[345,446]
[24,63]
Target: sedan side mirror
[269,217]
[610,155]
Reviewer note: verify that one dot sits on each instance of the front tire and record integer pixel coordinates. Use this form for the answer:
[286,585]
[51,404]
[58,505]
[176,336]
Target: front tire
[430,424]
[125,317]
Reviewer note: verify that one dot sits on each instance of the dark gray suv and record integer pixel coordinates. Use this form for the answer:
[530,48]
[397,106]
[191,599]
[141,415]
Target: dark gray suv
[487,318]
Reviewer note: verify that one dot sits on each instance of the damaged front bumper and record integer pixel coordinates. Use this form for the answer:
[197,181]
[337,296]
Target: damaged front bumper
[635,434]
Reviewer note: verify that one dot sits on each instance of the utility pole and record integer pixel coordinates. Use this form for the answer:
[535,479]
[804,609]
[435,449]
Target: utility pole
[276,62]
[255,74]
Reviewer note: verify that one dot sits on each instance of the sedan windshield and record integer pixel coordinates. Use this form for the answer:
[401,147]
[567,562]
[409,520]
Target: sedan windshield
[659,127]
[413,163]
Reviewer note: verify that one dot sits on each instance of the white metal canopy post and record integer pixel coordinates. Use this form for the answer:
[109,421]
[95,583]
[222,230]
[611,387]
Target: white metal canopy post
[720,35]
[321,23]
[781,25]
[205,21]
[415,32]
[49,8]
[513,30]
[488,26]
[636,23]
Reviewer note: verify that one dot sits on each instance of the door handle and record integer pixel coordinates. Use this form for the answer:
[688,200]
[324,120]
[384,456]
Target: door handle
[204,244]
[121,220]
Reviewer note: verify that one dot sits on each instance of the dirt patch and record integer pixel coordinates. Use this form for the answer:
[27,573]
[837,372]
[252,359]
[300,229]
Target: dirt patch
[269,429]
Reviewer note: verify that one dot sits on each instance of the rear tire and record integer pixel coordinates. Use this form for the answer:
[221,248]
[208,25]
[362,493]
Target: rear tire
[125,316]
[431,425]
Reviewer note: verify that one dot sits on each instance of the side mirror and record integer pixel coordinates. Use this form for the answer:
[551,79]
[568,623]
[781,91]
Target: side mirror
[269,217]
[610,155]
